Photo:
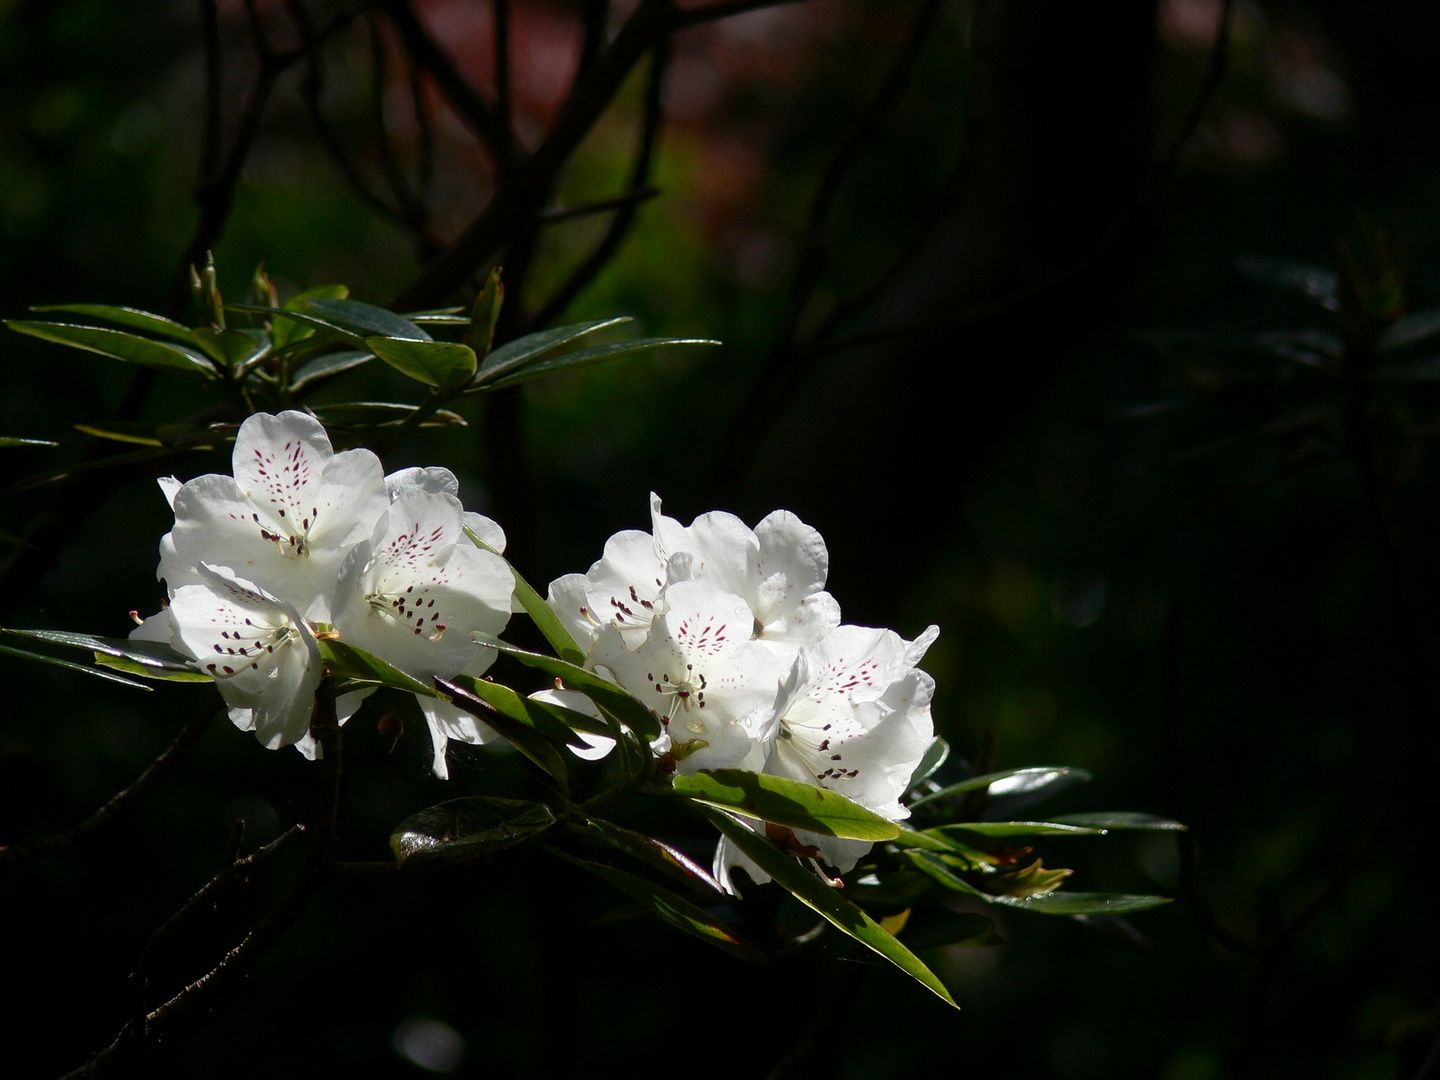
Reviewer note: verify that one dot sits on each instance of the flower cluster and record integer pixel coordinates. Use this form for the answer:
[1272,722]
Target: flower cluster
[729,636]
[303,544]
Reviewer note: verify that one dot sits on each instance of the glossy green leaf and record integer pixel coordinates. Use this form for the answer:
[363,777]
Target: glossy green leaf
[119,345]
[445,364]
[785,802]
[328,364]
[605,694]
[935,756]
[1411,329]
[512,716]
[545,619]
[233,348]
[481,334]
[655,853]
[151,654]
[348,661]
[11,440]
[367,320]
[671,907]
[1121,819]
[55,661]
[1068,903]
[153,433]
[283,331]
[1021,828]
[827,901]
[134,667]
[1015,781]
[368,414]
[131,318]
[470,827]
[934,866]
[585,357]
[451,316]
[521,351]
[914,839]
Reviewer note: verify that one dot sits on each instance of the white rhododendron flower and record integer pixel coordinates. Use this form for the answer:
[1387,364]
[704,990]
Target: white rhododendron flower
[415,591]
[287,517]
[260,651]
[778,569]
[699,671]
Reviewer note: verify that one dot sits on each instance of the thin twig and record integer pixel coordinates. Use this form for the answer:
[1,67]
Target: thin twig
[156,771]
[599,206]
[594,17]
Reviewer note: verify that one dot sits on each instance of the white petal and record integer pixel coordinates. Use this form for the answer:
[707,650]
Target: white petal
[596,746]
[434,479]
[486,530]
[446,722]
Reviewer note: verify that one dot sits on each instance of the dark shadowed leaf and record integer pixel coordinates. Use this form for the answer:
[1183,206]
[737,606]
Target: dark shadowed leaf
[445,364]
[119,345]
[23,654]
[1316,282]
[465,828]
[1121,819]
[1021,828]
[511,715]
[1068,903]
[1427,370]
[521,351]
[361,318]
[585,357]
[1411,329]
[934,757]
[671,907]
[283,330]
[931,927]
[660,855]
[74,468]
[891,888]
[130,318]
[155,655]
[934,866]
[369,414]
[331,363]
[785,802]
[816,894]
[1029,780]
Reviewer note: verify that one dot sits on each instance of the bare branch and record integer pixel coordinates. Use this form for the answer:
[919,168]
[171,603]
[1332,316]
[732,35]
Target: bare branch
[156,771]
[599,206]
[714,12]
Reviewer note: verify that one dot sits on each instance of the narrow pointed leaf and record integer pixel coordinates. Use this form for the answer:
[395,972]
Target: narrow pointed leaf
[605,694]
[11,440]
[348,661]
[134,667]
[1410,329]
[912,838]
[934,757]
[466,828]
[1068,903]
[481,334]
[283,331]
[49,476]
[119,345]
[131,318]
[594,355]
[1121,819]
[1009,782]
[546,621]
[331,363]
[314,322]
[827,901]
[513,354]
[671,907]
[368,414]
[655,853]
[931,864]
[234,348]
[361,318]
[509,714]
[1022,828]
[55,661]
[785,802]
[445,364]
[151,654]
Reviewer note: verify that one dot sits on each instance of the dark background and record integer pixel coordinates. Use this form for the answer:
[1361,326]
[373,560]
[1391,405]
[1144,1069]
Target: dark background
[1055,204]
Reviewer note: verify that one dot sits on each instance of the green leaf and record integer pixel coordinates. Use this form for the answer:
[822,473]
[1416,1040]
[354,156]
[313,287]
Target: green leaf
[24,654]
[481,334]
[465,828]
[129,317]
[134,667]
[1316,282]
[155,655]
[1068,903]
[118,345]
[49,476]
[327,364]
[360,318]
[932,927]
[934,757]
[446,364]
[671,907]
[545,619]
[11,440]
[934,866]
[912,839]
[655,853]
[1121,819]
[605,694]
[348,661]
[236,348]
[594,355]
[513,354]
[785,802]
[1020,781]
[283,331]
[510,715]
[1021,828]
[368,414]
[1411,329]
[827,901]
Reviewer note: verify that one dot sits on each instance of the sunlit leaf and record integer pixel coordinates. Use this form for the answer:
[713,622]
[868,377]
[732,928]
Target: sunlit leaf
[514,718]
[545,619]
[445,364]
[1026,882]
[119,345]
[55,661]
[785,802]
[605,694]
[1021,828]
[155,655]
[656,853]
[935,756]
[11,440]
[816,894]
[521,351]
[1121,819]
[466,828]
[594,355]
[1076,903]
[915,839]
[1029,780]
[134,667]
[671,907]
[128,317]
[348,661]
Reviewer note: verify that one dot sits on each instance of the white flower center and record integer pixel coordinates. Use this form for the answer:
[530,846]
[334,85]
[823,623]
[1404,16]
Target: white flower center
[248,647]
[687,690]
